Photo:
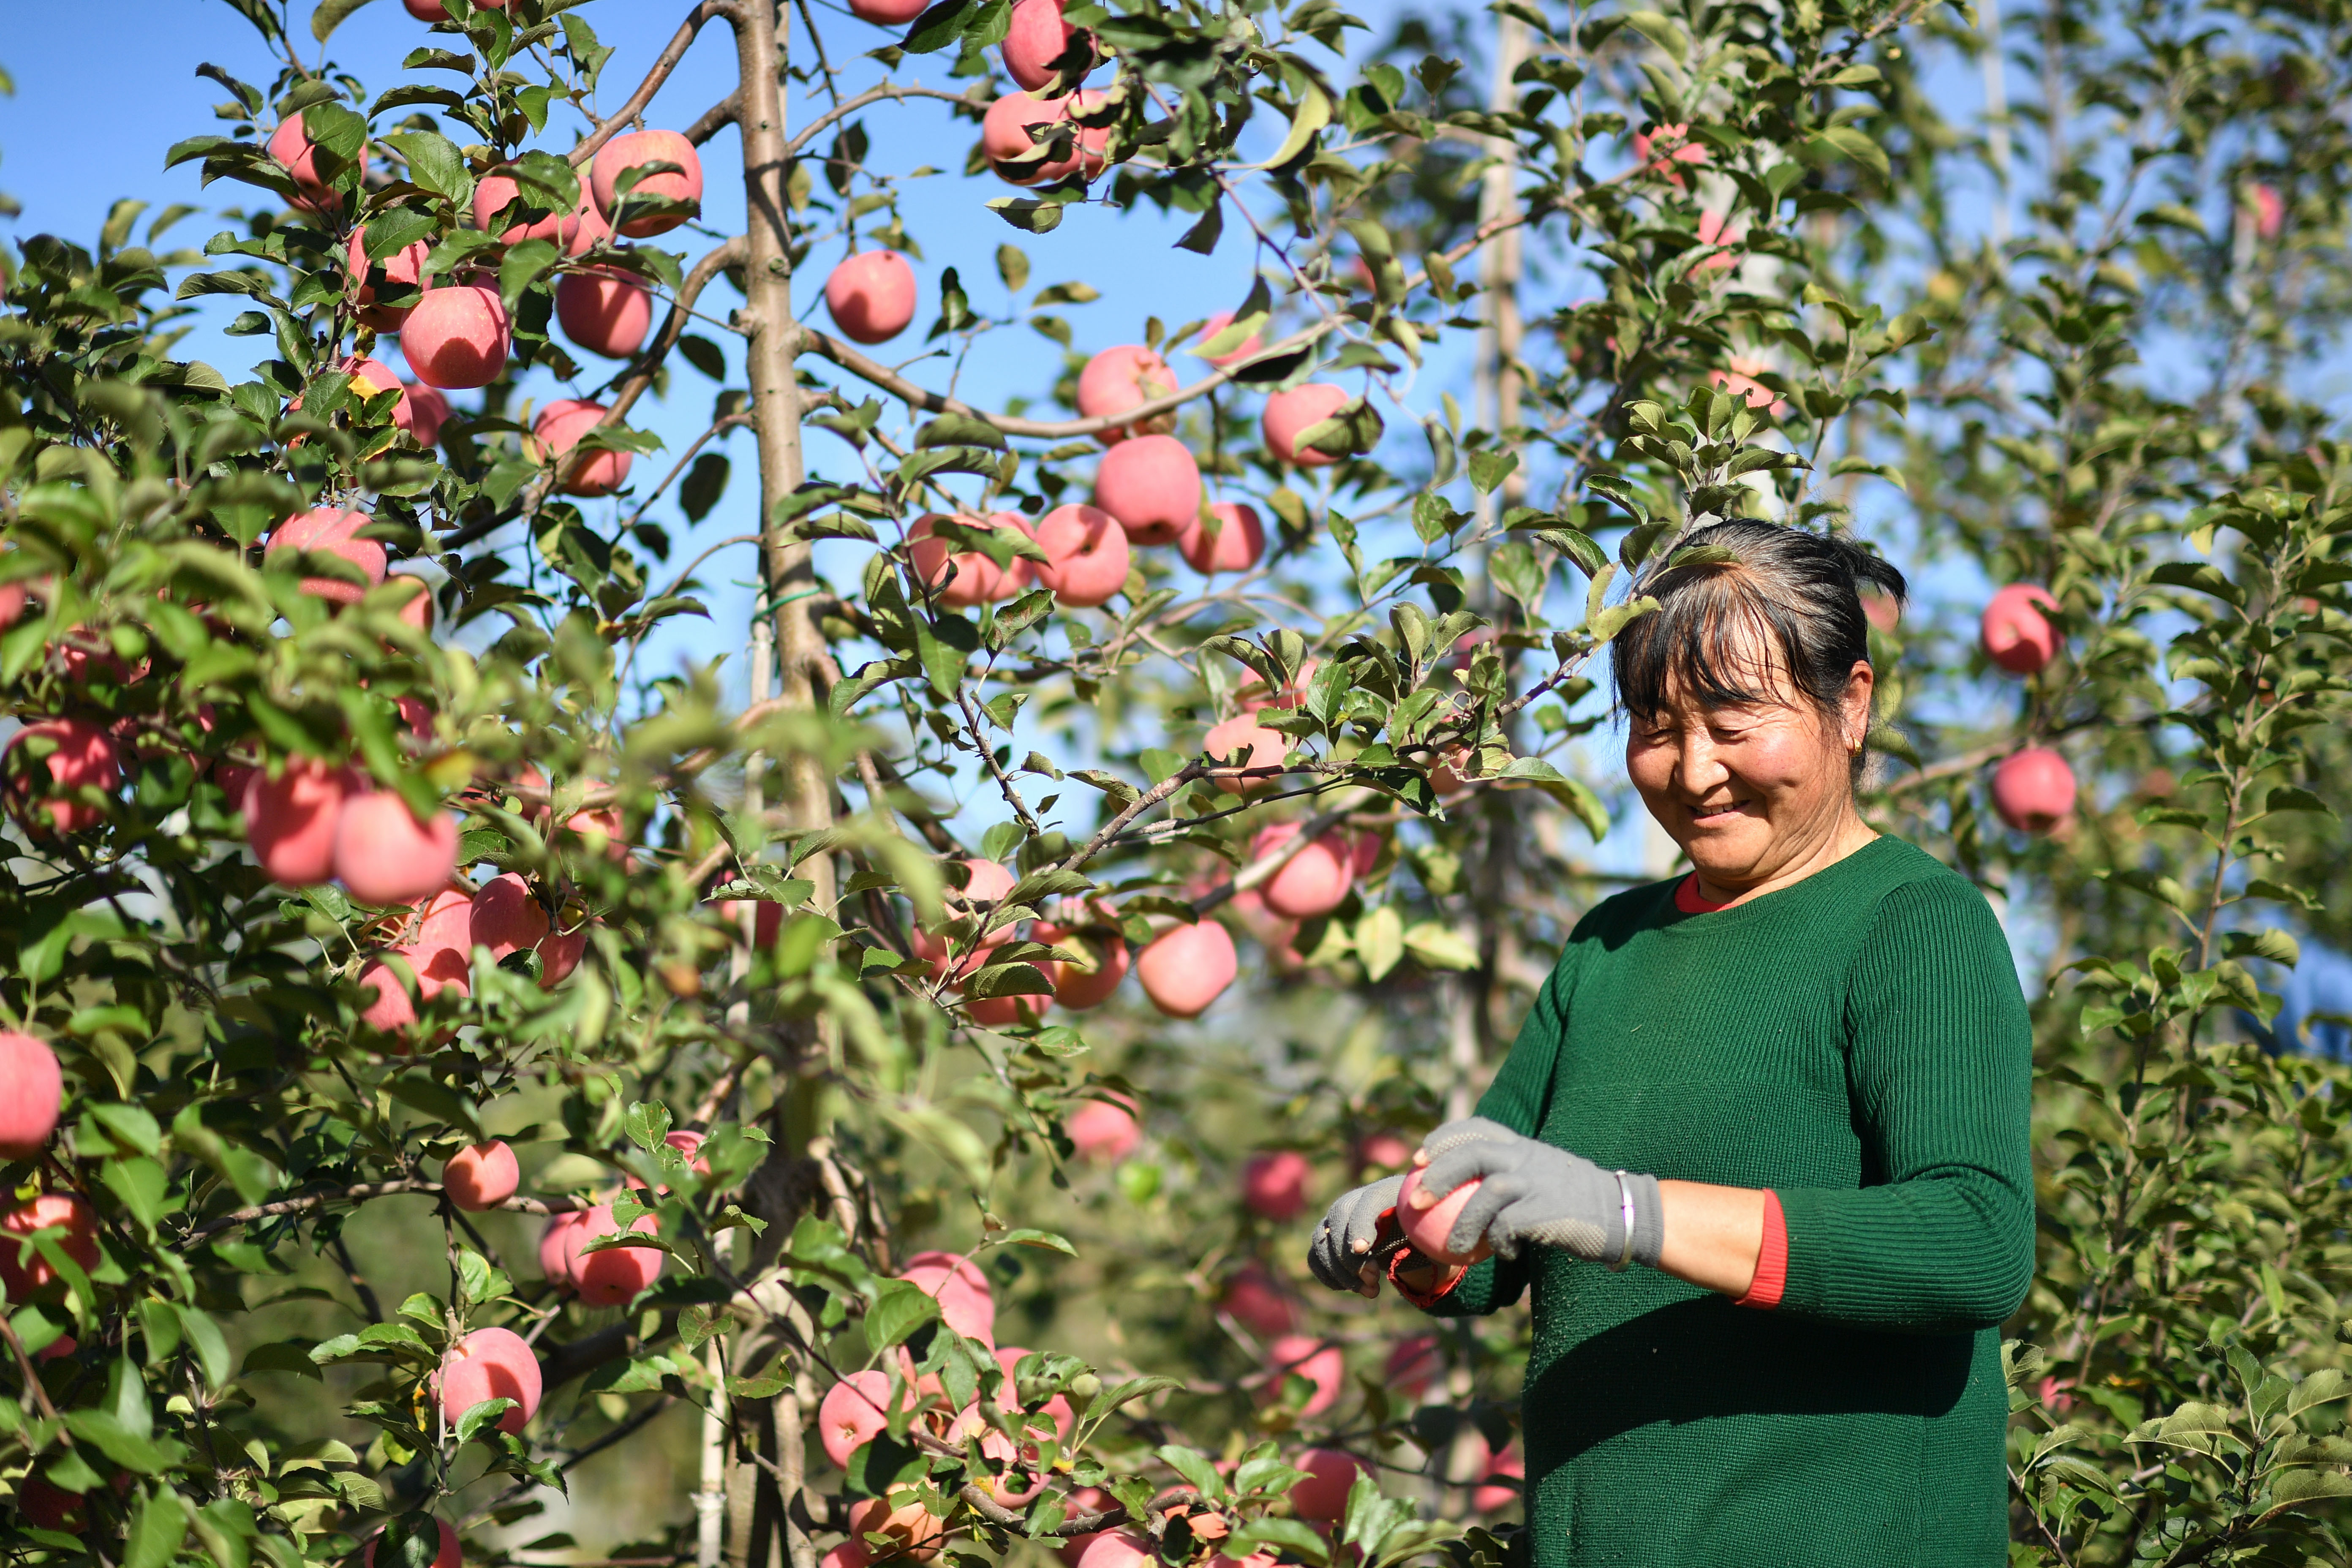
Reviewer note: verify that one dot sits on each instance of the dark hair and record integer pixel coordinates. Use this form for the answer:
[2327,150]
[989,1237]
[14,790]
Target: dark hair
[1742,602]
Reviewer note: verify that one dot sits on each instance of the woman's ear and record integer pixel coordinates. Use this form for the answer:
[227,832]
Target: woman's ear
[1861,686]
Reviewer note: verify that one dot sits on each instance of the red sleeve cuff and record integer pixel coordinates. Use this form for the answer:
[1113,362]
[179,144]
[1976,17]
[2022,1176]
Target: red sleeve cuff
[1771,1260]
[1416,1279]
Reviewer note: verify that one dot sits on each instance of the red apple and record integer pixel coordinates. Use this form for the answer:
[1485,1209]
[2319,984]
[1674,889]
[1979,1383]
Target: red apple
[45,1505]
[1274,1184]
[887,13]
[329,531]
[606,311]
[1312,882]
[1081,985]
[1065,1419]
[1104,1131]
[373,378]
[1254,343]
[976,580]
[1189,967]
[2016,636]
[1498,1490]
[1384,1152]
[1122,378]
[1330,1476]
[915,1532]
[2033,791]
[611,1278]
[422,413]
[1304,1355]
[505,918]
[1120,1549]
[1427,1228]
[1250,694]
[481,1177]
[384,855]
[295,152]
[1227,537]
[871,296]
[23,1268]
[1266,748]
[558,430]
[557,1250]
[1258,1303]
[1087,557]
[854,1412]
[1152,485]
[1004,135]
[291,820]
[639,150]
[575,231]
[456,336]
[561,952]
[1289,413]
[404,266]
[448,1554]
[966,1303]
[767,919]
[1415,1363]
[490,1363]
[80,756]
[32,1091]
[1034,38]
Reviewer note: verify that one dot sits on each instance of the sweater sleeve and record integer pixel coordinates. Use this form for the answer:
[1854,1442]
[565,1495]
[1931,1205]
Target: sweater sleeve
[1517,1099]
[1939,1236]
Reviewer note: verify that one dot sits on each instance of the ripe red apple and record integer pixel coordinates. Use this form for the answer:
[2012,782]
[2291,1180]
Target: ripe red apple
[45,1505]
[32,1091]
[289,821]
[1189,967]
[1274,1184]
[976,580]
[1122,378]
[80,756]
[23,1268]
[1104,1131]
[853,1413]
[871,296]
[767,919]
[966,1303]
[330,530]
[2016,636]
[390,1008]
[1254,343]
[1035,38]
[1413,1364]
[1227,537]
[1258,1303]
[558,430]
[1384,1152]
[887,13]
[1119,1549]
[1289,413]
[606,311]
[481,1177]
[1250,694]
[1427,1228]
[555,1248]
[403,266]
[560,952]
[384,855]
[505,918]
[1242,732]
[575,231]
[490,1363]
[291,146]
[448,1554]
[1004,135]
[915,1533]
[1330,1475]
[456,336]
[1065,1419]
[1313,882]
[1079,986]
[1088,556]
[422,413]
[1152,485]
[2033,791]
[1304,1355]
[373,378]
[613,1277]
[638,150]
[1498,1490]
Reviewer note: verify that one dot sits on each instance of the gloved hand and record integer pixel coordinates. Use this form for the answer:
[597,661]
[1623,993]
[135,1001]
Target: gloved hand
[1531,1191]
[1350,1229]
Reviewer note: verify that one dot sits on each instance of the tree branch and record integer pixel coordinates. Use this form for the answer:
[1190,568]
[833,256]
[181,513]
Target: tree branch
[715,118]
[871,95]
[360,1195]
[665,63]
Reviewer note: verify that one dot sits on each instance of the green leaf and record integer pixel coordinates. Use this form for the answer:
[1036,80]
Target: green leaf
[157,1528]
[332,15]
[1314,112]
[899,1309]
[1440,946]
[433,162]
[1379,942]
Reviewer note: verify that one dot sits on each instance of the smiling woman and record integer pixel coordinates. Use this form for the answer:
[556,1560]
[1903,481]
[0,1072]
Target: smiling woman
[1795,1080]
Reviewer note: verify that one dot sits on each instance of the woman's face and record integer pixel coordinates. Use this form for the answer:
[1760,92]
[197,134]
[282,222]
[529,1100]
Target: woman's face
[1753,791]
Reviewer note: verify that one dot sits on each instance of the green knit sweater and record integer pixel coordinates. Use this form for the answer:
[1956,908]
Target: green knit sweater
[1858,1043]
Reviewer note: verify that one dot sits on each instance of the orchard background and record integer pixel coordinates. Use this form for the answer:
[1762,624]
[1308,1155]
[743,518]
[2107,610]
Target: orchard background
[701,842]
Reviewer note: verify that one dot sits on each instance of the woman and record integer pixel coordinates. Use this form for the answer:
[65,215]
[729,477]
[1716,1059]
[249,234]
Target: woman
[1791,1087]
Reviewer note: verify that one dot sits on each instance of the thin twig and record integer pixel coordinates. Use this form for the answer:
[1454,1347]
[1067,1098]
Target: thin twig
[664,63]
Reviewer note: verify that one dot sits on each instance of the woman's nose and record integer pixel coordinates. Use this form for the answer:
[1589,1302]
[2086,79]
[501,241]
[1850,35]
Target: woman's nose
[1697,769]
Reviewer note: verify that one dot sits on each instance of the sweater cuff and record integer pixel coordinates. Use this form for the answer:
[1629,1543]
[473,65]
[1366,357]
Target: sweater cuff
[1771,1260]
[1418,1279]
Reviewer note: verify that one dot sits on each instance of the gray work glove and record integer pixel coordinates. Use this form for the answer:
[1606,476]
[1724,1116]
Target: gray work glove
[1351,1230]
[1535,1192]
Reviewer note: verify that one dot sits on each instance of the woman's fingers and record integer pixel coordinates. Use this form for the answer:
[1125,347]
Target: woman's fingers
[1495,1195]
[1464,1159]
[1350,1230]
[1464,1130]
